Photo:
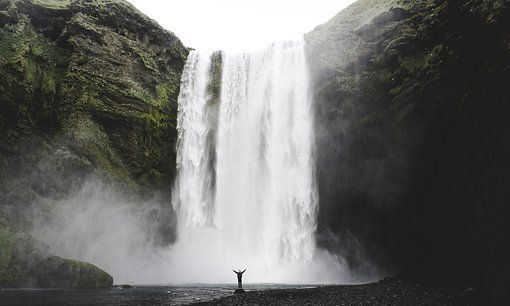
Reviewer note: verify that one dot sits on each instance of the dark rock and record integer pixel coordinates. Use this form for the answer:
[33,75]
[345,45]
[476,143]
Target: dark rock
[5,18]
[239,291]
[56,272]
[391,292]
[126,286]
[411,112]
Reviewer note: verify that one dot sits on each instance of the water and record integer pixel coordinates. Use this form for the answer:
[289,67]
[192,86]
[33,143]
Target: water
[139,295]
[193,187]
[245,191]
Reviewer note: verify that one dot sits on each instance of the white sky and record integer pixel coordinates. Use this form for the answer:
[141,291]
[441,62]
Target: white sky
[239,24]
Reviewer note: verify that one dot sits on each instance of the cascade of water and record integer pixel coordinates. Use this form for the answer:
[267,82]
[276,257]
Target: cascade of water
[260,213]
[265,167]
[193,186]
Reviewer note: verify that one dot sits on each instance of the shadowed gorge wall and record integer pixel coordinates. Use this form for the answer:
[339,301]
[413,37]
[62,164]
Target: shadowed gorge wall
[412,122]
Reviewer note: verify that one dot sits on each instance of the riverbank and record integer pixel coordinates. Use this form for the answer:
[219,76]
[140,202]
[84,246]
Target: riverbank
[391,291]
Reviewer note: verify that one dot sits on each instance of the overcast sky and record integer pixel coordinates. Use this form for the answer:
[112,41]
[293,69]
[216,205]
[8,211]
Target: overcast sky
[239,24]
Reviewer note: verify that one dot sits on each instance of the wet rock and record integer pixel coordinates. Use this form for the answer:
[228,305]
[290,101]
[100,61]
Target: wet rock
[56,272]
[380,294]
[5,18]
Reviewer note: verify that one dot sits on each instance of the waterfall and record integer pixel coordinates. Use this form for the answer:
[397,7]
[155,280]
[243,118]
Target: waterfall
[193,190]
[245,193]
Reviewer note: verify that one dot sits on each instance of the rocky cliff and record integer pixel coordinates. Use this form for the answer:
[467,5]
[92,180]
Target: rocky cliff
[413,137]
[88,89]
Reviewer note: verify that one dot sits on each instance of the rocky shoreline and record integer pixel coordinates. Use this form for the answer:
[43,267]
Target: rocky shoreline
[402,290]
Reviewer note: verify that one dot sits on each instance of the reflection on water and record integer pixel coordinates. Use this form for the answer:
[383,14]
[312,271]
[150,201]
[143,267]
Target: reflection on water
[138,295]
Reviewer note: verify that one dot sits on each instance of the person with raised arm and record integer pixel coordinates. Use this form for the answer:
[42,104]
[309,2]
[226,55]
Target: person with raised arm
[239,278]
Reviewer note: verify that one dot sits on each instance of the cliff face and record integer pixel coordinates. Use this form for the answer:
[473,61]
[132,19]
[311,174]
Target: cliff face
[88,88]
[412,125]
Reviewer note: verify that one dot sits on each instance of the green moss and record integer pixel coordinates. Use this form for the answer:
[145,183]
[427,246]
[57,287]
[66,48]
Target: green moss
[95,144]
[57,272]
[90,276]
[21,39]
[146,58]
[88,25]
[412,63]
[31,69]
[99,276]
[165,92]
[53,4]
[386,76]
[156,124]
[395,90]
[7,242]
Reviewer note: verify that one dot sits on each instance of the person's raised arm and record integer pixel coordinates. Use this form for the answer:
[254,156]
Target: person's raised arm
[235,271]
[243,271]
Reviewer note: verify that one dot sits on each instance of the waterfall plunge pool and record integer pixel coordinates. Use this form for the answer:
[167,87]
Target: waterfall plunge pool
[138,295]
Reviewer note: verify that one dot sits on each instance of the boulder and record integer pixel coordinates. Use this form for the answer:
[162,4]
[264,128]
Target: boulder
[56,272]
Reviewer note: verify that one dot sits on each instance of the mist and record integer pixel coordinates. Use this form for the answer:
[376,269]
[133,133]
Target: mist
[100,225]
[274,232]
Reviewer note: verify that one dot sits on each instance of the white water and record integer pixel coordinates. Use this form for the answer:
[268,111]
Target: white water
[193,188]
[245,191]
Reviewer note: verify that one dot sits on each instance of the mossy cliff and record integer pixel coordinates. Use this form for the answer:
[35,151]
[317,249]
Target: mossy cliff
[88,88]
[412,106]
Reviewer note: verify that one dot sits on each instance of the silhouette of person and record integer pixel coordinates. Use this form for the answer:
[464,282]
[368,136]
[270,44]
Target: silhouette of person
[239,278]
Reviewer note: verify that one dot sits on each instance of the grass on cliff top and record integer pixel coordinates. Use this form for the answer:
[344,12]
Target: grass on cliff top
[54,4]
[63,4]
